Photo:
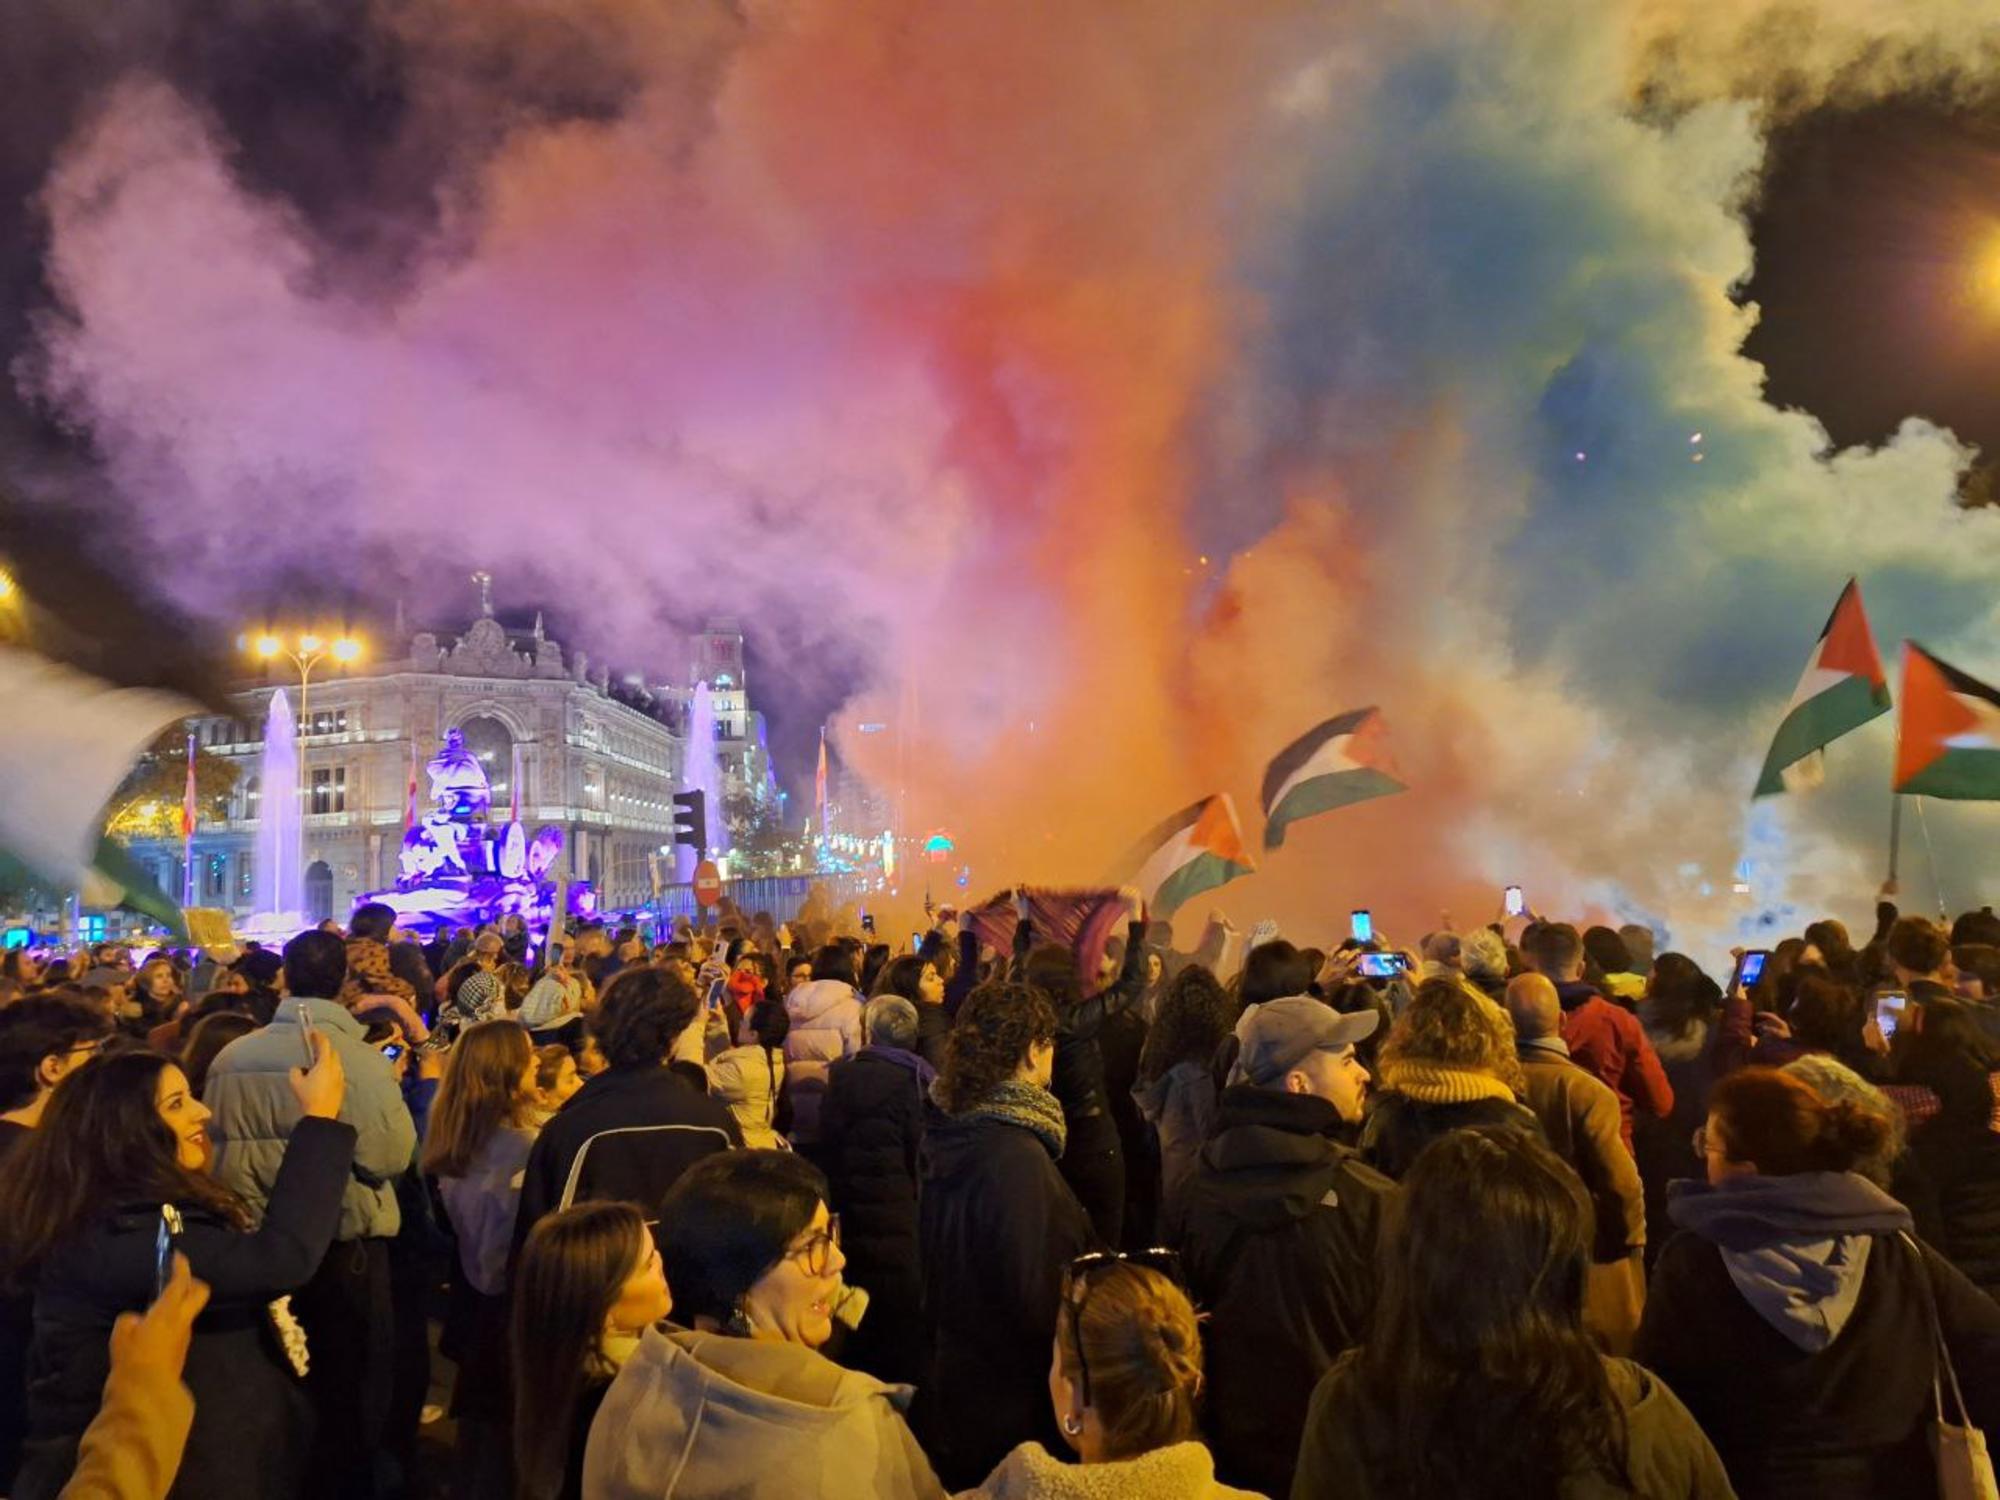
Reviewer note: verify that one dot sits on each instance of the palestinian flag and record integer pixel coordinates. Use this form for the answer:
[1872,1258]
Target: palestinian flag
[1197,849]
[1948,743]
[1344,760]
[1842,689]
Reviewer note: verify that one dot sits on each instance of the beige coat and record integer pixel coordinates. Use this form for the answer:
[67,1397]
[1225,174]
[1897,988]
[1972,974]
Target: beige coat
[749,1085]
[1183,1471]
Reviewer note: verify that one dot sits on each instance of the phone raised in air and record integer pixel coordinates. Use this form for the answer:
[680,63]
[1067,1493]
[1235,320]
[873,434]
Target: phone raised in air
[1889,1008]
[1516,904]
[1382,965]
[163,1248]
[306,1030]
[1361,926]
[1750,968]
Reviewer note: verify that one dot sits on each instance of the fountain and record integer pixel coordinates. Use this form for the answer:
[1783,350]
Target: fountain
[701,773]
[456,869]
[279,872]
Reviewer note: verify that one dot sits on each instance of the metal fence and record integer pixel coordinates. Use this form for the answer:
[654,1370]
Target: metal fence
[780,895]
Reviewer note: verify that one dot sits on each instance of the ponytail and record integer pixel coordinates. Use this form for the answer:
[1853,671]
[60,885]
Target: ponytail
[1139,1338]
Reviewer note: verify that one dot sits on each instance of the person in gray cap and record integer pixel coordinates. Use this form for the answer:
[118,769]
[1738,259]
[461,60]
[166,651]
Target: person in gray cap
[1276,1228]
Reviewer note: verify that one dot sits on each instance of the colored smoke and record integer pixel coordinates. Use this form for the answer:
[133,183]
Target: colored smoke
[1127,386]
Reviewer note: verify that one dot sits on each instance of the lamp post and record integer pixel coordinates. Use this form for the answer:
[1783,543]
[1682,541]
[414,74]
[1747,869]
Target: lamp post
[306,651]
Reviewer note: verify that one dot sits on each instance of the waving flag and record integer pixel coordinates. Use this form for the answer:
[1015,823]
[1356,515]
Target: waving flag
[1948,740]
[1342,761]
[1197,849]
[1842,689]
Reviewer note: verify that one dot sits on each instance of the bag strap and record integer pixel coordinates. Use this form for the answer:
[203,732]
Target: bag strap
[1944,1365]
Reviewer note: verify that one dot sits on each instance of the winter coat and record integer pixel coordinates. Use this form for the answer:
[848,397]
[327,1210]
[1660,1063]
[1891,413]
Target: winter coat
[933,1031]
[1792,1316]
[1180,1471]
[1276,1227]
[1667,1457]
[696,1415]
[1399,1127]
[1580,1116]
[826,1025]
[997,1225]
[626,1135]
[1078,1076]
[871,1142]
[748,1079]
[1957,1154]
[482,1204]
[1607,1040]
[253,1424]
[249,1088]
[1180,1105]
[1664,1147]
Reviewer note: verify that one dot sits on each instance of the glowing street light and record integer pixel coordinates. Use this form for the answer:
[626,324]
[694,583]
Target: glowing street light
[269,646]
[346,650]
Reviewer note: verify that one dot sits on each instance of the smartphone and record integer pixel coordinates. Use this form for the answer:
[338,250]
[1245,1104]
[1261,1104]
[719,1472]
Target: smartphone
[163,1248]
[1362,927]
[306,1030]
[868,923]
[1382,965]
[392,1051]
[1889,1008]
[916,941]
[1515,905]
[1750,968]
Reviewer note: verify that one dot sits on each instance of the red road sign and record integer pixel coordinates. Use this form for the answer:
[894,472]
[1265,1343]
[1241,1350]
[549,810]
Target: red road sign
[707,883]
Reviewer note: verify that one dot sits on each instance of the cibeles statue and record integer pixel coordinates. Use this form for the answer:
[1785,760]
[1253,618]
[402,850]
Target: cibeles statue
[459,789]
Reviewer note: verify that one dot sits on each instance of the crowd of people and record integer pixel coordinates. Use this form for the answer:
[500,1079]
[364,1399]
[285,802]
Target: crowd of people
[765,1209]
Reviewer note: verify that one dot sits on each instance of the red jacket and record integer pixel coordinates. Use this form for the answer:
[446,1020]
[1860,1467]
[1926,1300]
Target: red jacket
[1608,1040]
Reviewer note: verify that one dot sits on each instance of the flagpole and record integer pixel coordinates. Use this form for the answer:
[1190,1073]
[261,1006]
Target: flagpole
[1889,887]
[1930,855]
[187,832]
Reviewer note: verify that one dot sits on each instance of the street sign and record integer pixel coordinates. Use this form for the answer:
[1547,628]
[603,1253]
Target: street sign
[707,883]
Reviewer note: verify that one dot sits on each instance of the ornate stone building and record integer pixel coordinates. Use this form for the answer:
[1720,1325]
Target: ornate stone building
[598,761]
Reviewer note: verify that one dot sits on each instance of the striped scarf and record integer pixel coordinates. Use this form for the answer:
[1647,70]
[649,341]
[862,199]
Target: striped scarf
[1432,1083]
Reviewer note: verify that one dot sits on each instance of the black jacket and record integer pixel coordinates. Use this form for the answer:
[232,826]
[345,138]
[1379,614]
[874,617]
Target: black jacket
[871,1134]
[1399,1127]
[933,1028]
[626,1134]
[1078,1078]
[1848,1423]
[252,1423]
[998,1226]
[1276,1229]
[1957,1157]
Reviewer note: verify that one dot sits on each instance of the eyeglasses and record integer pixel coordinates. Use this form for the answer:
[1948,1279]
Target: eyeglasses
[815,1252]
[1077,1278]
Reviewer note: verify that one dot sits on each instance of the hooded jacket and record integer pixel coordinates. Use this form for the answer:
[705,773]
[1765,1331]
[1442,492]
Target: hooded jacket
[627,1134]
[748,1079]
[1180,1106]
[997,1226]
[1276,1227]
[826,1026]
[694,1415]
[1667,1457]
[1608,1040]
[249,1088]
[1179,1471]
[1793,1317]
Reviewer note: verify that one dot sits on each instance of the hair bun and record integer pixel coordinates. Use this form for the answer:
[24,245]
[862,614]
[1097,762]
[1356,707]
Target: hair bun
[1854,1131]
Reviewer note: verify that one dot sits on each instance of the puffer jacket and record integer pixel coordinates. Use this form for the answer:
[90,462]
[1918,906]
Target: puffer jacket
[250,1090]
[696,1415]
[748,1079]
[1179,1471]
[826,1026]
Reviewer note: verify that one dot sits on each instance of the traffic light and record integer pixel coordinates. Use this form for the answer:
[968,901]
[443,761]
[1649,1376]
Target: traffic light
[691,820]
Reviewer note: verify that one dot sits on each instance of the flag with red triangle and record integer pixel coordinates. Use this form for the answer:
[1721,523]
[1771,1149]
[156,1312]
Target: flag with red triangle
[1843,687]
[1197,849]
[188,797]
[1342,761]
[1948,738]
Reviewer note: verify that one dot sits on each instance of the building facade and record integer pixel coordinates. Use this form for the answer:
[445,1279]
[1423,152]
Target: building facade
[599,762]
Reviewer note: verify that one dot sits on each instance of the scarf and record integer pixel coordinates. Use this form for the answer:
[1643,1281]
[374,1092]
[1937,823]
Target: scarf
[746,989]
[1432,1083]
[1025,1105]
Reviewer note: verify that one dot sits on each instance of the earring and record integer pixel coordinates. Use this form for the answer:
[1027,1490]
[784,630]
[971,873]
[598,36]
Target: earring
[1072,1425]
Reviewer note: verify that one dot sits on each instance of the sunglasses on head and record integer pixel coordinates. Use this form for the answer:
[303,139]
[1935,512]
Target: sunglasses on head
[1081,1272]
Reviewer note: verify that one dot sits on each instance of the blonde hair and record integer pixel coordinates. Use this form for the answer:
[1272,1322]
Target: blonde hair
[1142,1348]
[1448,1025]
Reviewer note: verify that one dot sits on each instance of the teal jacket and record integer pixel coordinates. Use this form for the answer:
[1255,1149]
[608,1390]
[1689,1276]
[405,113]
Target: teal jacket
[251,1095]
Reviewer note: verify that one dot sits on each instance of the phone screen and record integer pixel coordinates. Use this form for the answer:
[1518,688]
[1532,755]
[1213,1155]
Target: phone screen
[163,1247]
[1515,904]
[1382,965]
[392,1052]
[1889,1011]
[1363,927]
[1752,968]
[868,923]
[916,941]
[306,1030]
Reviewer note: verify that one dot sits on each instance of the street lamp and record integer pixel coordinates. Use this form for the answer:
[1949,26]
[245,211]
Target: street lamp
[306,652]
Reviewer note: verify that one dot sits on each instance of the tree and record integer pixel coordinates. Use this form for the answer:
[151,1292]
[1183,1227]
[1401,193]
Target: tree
[147,804]
[758,843]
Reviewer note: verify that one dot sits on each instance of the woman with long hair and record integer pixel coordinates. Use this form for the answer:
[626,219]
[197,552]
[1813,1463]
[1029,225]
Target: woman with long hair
[1449,1064]
[588,1284]
[1794,1313]
[1477,1379]
[120,1161]
[1126,1385]
[740,1396]
[918,980]
[1176,1091]
[997,1221]
[211,1034]
[750,1078]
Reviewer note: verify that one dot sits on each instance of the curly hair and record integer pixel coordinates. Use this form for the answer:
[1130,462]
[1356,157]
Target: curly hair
[643,1010]
[997,1025]
[1196,1013]
[1446,1025]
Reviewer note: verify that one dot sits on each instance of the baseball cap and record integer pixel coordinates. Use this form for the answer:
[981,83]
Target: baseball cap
[1278,1035]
